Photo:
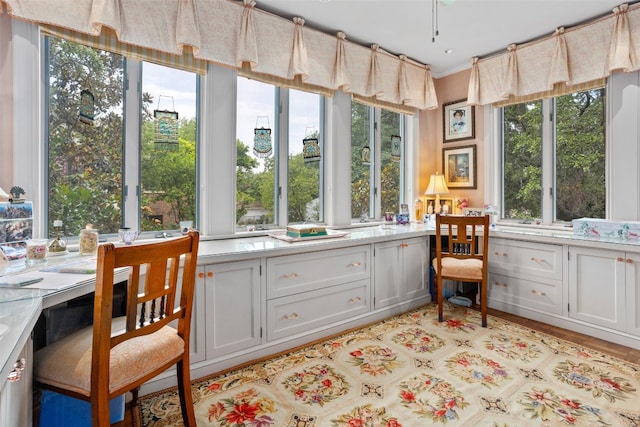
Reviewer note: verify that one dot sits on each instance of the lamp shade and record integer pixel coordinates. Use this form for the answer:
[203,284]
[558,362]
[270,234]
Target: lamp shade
[436,185]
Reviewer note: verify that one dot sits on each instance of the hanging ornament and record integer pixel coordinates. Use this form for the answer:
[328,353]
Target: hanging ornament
[166,127]
[365,155]
[396,148]
[87,107]
[310,147]
[262,147]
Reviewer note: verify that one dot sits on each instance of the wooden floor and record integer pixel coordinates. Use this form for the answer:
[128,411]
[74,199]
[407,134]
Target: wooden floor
[619,351]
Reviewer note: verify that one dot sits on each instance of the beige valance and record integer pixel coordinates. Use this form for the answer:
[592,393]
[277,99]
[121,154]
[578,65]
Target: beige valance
[569,60]
[235,33]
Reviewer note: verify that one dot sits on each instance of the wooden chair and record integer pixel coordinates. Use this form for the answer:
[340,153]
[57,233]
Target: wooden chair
[91,366]
[460,258]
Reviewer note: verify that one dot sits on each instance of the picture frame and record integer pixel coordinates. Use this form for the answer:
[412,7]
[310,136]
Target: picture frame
[459,121]
[444,201]
[472,211]
[459,165]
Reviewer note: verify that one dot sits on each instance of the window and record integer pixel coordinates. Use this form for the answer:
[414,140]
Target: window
[273,190]
[554,169]
[101,169]
[377,154]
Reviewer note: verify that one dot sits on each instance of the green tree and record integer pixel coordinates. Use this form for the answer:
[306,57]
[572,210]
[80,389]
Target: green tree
[246,193]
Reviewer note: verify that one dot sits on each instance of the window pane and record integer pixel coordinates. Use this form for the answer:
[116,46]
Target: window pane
[522,160]
[255,167]
[84,137]
[361,156]
[580,155]
[168,151]
[304,174]
[391,160]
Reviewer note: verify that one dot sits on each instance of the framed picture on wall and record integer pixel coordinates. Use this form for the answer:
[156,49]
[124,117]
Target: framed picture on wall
[460,166]
[459,121]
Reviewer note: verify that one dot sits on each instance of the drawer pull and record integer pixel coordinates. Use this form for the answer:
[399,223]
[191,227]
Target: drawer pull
[629,261]
[290,317]
[496,253]
[291,276]
[504,285]
[210,273]
[403,245]
[352,300]
[201,275]
[620,259]
[355,264]
[542,294]
[16,372]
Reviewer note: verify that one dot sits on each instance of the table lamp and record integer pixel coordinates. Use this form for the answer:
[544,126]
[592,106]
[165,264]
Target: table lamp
[436,187]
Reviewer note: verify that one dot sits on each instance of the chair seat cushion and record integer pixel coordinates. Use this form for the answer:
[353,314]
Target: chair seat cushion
[462,269]
[67,363]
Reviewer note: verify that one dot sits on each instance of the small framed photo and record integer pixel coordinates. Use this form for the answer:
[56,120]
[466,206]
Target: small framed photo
[472,211]
[446,205]
[459,166]
[459,121]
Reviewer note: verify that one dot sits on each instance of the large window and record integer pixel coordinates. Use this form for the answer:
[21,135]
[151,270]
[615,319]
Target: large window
[109,165]
[377,153]
[554,158]
[273,189]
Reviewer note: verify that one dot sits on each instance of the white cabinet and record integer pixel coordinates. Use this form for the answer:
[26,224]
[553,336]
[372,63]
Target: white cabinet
[232,315]
[316,289]
[15,396]
[603,286]
[400,271]
[525,275]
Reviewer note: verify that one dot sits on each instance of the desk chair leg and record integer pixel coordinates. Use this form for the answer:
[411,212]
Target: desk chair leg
[438,291]
[483,302]
[184,391]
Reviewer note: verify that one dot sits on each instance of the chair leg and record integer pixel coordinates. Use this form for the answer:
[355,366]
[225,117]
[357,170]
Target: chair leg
[483,302]
[438,291]
[184,391]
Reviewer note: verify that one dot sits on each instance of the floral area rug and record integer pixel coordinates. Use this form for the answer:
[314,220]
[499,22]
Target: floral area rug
[411,370]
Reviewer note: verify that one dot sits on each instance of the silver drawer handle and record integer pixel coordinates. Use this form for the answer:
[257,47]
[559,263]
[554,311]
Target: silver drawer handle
[292,316]
[290,276]
[355,264]
[16,372]
[356,299]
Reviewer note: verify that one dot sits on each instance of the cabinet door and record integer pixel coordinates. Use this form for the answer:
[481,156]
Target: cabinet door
[414,259]
[388,273]
[232,307]
[597,286]
[15,397]
[633,293]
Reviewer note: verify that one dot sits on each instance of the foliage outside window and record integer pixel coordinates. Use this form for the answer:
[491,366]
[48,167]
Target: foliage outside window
[90,179]
[376,173]
[575,135]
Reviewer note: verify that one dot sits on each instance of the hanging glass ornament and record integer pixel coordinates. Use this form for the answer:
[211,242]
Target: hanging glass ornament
[310,147]
[166,127]
[262,147]
[396,148]
[365,155]
[87,107]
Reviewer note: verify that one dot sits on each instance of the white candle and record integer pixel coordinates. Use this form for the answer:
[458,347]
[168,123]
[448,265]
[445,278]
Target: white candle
[57,223]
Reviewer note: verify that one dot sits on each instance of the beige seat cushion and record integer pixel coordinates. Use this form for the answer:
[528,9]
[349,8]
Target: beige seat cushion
[67,362]
[463,269]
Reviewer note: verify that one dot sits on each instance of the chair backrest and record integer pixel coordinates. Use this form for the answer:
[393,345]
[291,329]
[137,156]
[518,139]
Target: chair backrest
[157,293]
[471,242]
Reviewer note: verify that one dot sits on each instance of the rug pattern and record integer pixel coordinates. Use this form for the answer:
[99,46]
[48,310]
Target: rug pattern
[412,370]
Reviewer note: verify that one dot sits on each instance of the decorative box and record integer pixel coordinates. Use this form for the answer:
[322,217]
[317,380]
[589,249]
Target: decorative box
[596,228]
[306,230]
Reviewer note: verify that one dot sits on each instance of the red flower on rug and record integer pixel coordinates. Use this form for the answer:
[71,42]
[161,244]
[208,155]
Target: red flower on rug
[415,394]
[418,340]
[599,382]
[366,416]
[512,348]
[243,409]
[316,384]
[548,406]
[474,368]
[375,360]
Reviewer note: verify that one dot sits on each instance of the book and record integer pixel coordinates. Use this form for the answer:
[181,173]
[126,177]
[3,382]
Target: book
[306,230]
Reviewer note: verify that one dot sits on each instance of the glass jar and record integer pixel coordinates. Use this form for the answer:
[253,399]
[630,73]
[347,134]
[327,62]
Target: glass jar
[36,251]
[88,241]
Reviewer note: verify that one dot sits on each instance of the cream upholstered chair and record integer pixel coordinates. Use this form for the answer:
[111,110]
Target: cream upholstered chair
[462,257]
[114,356]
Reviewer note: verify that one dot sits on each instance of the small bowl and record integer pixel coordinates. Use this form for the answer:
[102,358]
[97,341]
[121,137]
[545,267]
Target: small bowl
[127,235]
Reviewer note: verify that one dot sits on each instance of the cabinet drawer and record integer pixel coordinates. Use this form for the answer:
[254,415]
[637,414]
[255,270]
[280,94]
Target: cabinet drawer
[527,259]
[292,274]
[545,296]
[301,313]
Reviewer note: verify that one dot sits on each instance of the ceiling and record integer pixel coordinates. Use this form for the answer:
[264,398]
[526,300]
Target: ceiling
[469,27]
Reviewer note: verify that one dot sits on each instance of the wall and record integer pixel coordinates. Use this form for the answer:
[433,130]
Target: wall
[6,106]
[450,89]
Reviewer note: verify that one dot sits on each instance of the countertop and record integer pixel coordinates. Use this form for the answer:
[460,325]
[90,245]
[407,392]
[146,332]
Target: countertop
[21,307]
